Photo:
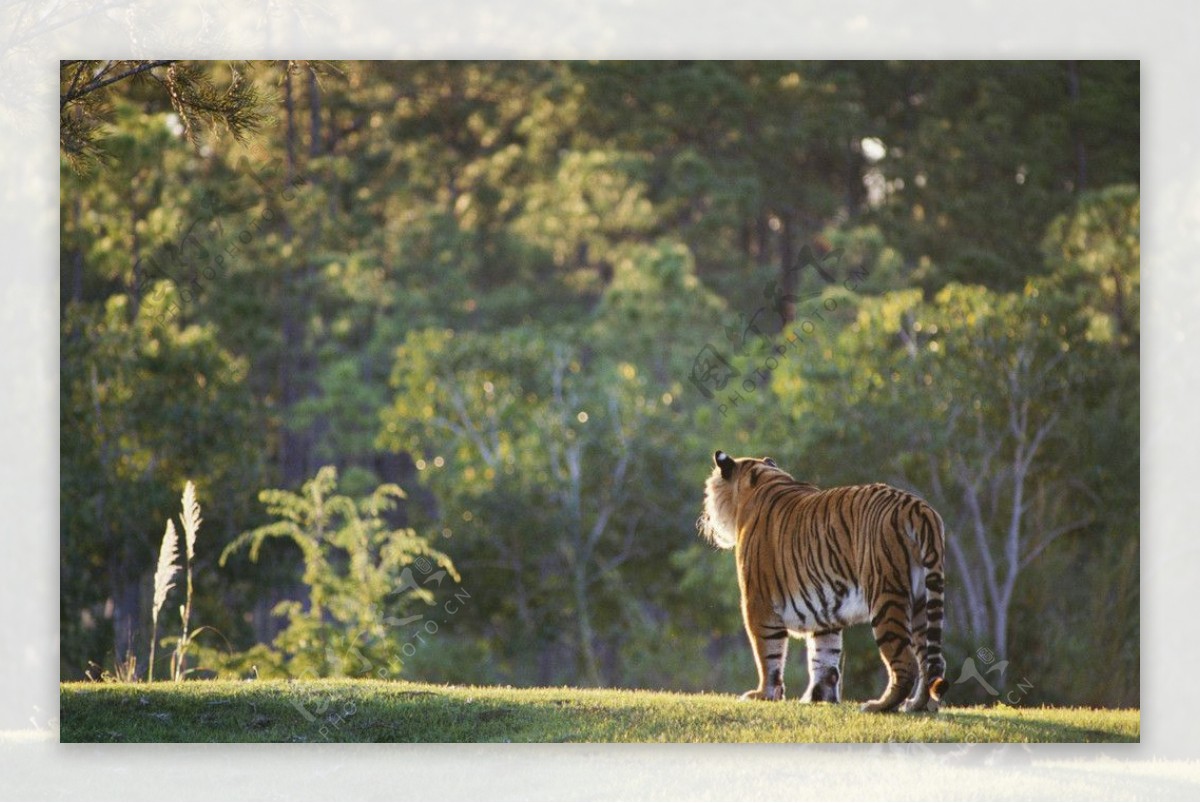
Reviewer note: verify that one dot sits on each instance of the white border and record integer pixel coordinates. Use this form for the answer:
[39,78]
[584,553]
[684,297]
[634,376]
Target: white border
[35,34]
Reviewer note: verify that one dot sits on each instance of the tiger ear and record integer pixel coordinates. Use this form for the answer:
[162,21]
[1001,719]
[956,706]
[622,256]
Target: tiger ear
[770,462]
[725,463]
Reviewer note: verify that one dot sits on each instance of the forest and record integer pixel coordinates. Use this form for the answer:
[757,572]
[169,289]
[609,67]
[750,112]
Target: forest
[445,350]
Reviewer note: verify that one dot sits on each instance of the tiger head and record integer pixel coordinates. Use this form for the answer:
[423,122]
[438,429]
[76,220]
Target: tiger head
[718,521]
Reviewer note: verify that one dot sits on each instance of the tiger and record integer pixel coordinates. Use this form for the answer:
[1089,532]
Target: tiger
[811,562]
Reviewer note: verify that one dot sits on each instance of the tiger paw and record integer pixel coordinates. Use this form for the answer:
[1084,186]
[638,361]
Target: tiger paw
[875,706]
[774,695]
[914,707]
[823,693]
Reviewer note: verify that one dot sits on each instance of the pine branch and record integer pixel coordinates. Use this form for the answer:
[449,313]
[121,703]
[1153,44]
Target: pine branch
[88,88]
[74,80]
[191,92]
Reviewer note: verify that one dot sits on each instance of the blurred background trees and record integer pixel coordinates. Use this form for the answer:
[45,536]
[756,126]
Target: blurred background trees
[492,284]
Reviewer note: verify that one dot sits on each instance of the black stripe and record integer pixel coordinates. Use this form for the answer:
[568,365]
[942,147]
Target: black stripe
[889,637]
[825,614]
[797,562]
[841,566]
[883,609]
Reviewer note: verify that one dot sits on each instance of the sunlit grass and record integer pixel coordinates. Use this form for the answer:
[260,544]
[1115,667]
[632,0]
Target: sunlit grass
[378,711]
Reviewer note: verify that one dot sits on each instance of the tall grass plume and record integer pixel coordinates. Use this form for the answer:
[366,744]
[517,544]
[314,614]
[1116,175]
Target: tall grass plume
[190,518]
[163,582]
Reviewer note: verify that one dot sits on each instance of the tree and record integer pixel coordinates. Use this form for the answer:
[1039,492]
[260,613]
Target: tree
[540,432]
[189,88]
[359,576]
[1094,250]
[977,155]
[146,404]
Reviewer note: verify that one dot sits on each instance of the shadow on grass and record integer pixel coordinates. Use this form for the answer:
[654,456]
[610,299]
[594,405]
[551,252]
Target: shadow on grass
[1026,726]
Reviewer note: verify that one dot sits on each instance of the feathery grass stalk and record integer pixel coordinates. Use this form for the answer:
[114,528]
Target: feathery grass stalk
[191,526]
[163,575]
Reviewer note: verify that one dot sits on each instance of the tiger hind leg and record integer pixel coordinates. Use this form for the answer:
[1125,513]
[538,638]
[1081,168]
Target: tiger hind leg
[893,636]
[933,662]
[920,699]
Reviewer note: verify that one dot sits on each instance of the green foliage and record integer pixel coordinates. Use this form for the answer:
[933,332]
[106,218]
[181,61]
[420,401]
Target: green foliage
[147,403]
[531,425]
[358,574]
[1095,253]
[489,283]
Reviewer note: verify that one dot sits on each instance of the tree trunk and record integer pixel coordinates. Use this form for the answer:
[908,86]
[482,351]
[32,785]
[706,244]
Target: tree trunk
[77,254]
[762,250]
[315,145]
[1119,309]
[1074,90]
[291,443]
[135,280]
[1000,641]
[787,258]
[587,651]
[127,606]
[853,179]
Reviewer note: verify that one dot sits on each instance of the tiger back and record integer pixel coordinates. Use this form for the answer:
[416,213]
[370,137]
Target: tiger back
[812,562]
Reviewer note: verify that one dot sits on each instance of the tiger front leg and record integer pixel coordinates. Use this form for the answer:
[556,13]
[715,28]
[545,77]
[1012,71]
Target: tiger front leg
[770,653]
[769,640]
[824,667]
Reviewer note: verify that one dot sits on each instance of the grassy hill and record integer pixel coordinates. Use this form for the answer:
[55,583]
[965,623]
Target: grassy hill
[371,711]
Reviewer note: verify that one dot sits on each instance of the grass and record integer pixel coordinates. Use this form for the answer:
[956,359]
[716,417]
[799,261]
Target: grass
[393,711]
